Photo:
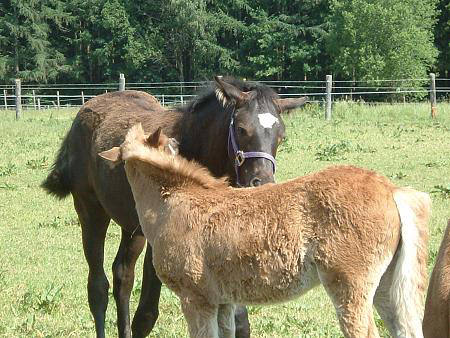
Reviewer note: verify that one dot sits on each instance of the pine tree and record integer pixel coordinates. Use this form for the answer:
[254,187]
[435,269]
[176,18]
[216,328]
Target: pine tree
[285,39]
[191,32]
[25,50]
[442,38]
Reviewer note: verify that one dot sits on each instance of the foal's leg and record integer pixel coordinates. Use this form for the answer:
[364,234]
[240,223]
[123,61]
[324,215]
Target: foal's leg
[147,312]
[201,319]
[352,299]
[242,322]
[130,248]
[225,319]
[94,223]
[402,320]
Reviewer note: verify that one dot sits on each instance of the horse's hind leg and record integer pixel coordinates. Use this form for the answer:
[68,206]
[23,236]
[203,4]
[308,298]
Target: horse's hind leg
[225,319]
[201,319]
[393,312]
[147,312]
[130,248]
[94,223]
[352,299]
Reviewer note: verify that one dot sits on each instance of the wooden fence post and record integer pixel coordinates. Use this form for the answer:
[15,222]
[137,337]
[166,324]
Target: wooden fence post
[329,79]
[122,82]
[18,99]
[39,103]
[57,99]
[4,96]
[34,99]
[433,95]
[82,97]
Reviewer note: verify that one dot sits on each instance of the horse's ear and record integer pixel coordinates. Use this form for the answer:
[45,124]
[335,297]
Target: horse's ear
[154,138]
[232,93]
[113,155]
[289,104]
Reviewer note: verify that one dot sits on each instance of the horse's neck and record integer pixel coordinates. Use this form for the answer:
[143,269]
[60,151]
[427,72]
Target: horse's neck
[204,138]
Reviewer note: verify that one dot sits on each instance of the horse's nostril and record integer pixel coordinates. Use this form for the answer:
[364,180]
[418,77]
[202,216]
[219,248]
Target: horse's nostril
[255,182]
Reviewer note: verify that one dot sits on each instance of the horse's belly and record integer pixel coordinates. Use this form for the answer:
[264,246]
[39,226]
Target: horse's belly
[271,287]
[271,277]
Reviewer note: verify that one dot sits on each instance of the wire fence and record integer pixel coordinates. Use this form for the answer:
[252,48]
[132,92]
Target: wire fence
[42,96]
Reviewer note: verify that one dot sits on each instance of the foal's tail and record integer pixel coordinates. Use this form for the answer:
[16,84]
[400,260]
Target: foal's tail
[410,272]
[57,182]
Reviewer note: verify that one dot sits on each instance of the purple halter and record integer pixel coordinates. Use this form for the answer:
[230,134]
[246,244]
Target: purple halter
[239,156]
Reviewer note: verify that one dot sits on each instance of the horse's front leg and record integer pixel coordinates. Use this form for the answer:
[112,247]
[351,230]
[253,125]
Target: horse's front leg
[147,312]
[242,323]
[130,248]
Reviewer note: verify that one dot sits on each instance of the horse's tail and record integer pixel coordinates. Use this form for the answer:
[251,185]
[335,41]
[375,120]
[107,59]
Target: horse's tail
[57,182]
[410,271]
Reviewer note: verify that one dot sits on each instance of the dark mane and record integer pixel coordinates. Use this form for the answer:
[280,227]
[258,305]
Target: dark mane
[209,93]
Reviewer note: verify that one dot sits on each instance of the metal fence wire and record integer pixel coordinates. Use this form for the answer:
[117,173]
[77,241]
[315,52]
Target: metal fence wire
[43,96]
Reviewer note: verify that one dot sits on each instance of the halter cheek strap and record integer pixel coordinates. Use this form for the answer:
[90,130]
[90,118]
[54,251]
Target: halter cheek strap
[240,156]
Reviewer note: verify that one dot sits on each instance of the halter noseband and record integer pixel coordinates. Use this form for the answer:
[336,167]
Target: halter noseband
[240,156]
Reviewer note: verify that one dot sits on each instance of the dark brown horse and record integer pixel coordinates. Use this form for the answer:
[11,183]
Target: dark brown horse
[233,128]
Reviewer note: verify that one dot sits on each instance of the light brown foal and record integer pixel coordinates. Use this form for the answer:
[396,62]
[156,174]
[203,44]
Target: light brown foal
[346,228]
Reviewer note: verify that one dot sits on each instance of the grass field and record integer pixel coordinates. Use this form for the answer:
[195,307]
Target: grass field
[43,272]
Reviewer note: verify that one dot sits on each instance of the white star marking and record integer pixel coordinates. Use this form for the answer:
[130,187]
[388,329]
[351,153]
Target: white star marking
[267,120]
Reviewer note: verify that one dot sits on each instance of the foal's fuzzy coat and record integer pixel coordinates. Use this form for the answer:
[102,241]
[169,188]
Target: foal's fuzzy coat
[348,228]
[436,321]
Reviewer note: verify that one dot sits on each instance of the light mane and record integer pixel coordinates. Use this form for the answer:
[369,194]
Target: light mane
[221,97]
[174,168]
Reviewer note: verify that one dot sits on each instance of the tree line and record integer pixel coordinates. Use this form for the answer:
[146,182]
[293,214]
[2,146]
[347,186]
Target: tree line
[92,41]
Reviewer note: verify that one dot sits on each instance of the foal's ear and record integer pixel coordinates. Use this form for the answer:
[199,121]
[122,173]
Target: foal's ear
[290,104]
[154,139]
[113,155]
[233,93]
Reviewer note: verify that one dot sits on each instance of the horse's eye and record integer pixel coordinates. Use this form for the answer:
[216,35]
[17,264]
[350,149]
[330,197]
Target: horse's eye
[242,131]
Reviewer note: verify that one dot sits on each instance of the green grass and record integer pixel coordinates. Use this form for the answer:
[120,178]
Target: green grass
[43,271]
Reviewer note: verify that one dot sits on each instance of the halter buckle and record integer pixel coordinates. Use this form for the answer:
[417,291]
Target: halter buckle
[240,158]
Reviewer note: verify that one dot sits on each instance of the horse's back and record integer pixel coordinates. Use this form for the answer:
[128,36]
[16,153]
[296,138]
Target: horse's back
[103,122]
[436,321]
[100,124]
[109,115]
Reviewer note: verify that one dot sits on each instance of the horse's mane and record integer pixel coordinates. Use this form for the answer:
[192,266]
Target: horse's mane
[173,168]
[213,92]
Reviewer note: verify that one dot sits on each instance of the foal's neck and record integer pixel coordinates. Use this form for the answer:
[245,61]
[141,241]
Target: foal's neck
[149,198]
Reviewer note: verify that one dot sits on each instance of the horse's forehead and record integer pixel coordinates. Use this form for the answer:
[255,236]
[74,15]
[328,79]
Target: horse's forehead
[267,120]
[264,114]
